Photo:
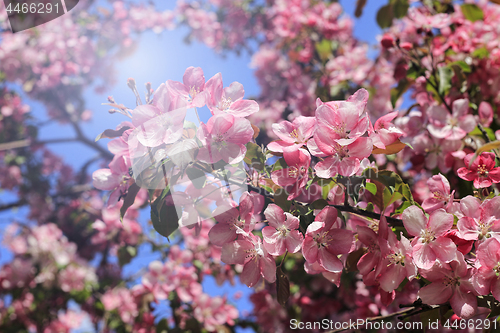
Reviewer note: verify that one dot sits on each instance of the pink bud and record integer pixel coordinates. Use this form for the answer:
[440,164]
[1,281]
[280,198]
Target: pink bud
[387,41]
[407,46]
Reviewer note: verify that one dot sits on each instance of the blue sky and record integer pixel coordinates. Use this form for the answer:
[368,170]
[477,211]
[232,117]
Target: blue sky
[159,58]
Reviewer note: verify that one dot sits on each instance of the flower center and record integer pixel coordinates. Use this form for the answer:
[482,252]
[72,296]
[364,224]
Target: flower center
[482,170]
[427,236]
[484,229]
[293,172]
[496,269]
[451,281]
[295,134]
[322,239]
[397,259]
[193,92]
[283,231]
[226,103]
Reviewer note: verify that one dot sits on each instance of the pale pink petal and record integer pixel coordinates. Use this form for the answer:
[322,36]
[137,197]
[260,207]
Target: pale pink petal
[243,108]
[423,255]
[329,261]
[440,222]
[235,91]
[444,248]
[291,222]
[435,293]
[310,249]
[294,241]
[193,77]
[341,241]
[463,304]
[392,277]
[236,252]
[305,126]
[283,130]
[104,179]
[468,228]
[251,273]
[470,206]
[414,220]
[268,268]
[270,234]
[221,233]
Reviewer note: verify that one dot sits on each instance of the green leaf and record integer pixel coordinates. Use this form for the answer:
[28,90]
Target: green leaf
[472,12]
[400,8]
[254,156]
[282,286]
[109,133]
[402,207]
[324,49]
[489,132]
[445,74]
[164,218]
[129,199]
[390,198]
[385,15]
[462,64]
[371,187]
[481,53]
[197,177]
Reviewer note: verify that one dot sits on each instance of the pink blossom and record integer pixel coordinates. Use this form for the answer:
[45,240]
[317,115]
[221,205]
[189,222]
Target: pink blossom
[485,112]
[224,137]
[451,127]
[343,160]
[232,222]
[160,122]
[450,282]
[397,263]
[294,178]
[482,171]
[230,99]
[341,122]
[251,253]
[480,220]
[186,283]
[441,196]
[437,152]
[428,21]
[325,240]
[158,279]
[213,312]
[192,88]
[121,299]
[281,235]
[486,279]
[384,132]
[292,135]
[429,243]
[117,178]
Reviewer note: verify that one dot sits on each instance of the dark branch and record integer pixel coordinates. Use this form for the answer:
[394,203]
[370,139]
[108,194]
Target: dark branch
[343,208]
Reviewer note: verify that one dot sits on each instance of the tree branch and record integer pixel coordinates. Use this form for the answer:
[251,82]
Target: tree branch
[72,190]
[343,208]
[27,142]
[418,308]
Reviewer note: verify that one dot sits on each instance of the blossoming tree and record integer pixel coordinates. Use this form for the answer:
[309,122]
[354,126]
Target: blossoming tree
[350,189]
